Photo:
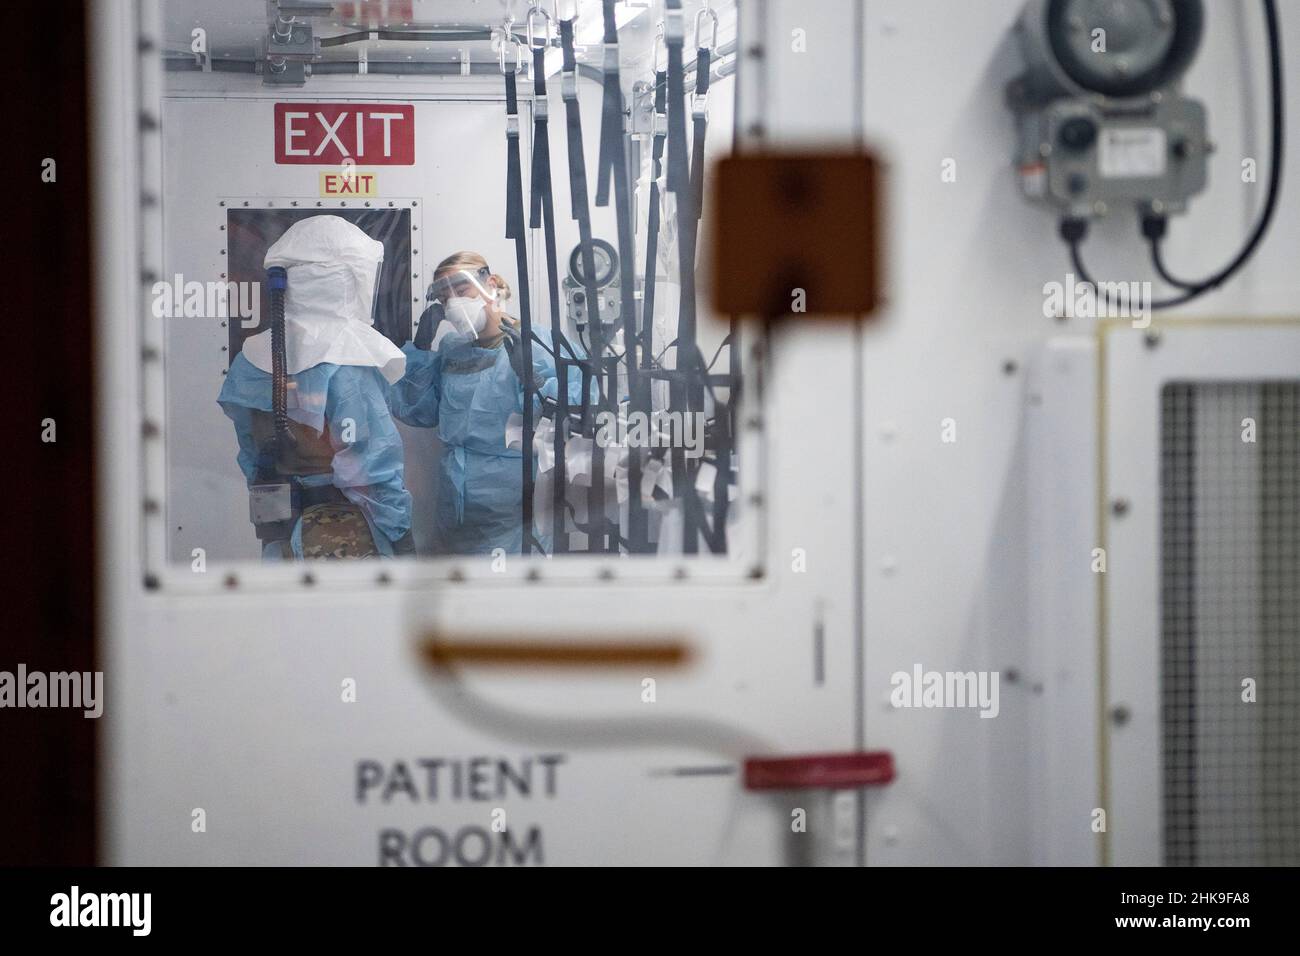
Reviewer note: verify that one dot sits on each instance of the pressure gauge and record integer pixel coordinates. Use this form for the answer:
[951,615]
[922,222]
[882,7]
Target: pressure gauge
[608,286]
[1101,122]
[1118,48]
[606,260]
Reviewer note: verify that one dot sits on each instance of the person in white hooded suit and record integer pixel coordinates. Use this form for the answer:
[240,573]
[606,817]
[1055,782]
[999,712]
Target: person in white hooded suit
[342,456]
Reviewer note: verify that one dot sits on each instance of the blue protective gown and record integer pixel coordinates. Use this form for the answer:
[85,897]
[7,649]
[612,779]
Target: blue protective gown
[367,469]
[468,392]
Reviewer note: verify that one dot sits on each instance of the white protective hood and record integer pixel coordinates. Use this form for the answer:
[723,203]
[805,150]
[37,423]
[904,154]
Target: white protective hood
[332,267]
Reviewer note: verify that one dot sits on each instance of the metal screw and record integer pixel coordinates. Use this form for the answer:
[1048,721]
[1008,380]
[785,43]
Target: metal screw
[1119,507]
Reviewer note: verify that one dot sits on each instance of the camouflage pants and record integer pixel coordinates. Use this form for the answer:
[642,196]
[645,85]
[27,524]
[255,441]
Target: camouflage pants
[336,531]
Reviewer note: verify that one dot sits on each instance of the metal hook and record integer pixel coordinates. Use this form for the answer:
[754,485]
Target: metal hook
[706,11]
[537,8]
[508,36]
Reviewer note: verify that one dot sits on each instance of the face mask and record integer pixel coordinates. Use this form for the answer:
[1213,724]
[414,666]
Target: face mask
[467,313]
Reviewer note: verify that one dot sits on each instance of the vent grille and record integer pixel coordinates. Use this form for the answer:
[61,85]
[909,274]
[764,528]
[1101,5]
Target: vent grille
[1230,614]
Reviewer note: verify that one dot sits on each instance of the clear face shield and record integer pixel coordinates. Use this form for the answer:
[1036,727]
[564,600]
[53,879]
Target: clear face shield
[374,293]
[462,284]
[463,295]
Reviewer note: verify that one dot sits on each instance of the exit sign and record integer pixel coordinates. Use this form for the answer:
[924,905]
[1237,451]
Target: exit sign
[348,183]
[328,134]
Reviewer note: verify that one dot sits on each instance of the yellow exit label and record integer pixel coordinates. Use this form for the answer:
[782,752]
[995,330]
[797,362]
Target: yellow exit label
[354,182]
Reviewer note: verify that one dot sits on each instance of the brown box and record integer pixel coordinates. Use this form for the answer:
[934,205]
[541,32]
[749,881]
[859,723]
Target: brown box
[802,221]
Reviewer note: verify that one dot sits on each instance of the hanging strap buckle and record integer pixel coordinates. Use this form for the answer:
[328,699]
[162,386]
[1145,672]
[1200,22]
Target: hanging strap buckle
[699,105]
[699,99]
[706,11]
[549,21]
[674,26]
[508,37]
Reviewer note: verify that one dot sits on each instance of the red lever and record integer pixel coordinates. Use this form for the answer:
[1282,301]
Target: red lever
[820,771]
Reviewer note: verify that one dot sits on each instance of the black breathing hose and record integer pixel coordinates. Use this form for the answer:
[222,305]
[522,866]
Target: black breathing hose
[278,279]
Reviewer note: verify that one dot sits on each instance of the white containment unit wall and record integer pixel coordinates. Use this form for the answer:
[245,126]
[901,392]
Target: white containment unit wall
[295,705]
[924,491]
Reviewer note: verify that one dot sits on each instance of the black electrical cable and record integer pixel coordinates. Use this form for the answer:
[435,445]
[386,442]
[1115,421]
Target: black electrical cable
[1078,229]
[543,346]
[670,345]
[726,340]
[1074,230]
[1153,227]
[417,36]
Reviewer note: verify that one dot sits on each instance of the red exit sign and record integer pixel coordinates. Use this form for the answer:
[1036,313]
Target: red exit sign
[326,134]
